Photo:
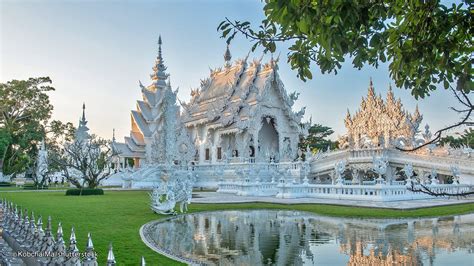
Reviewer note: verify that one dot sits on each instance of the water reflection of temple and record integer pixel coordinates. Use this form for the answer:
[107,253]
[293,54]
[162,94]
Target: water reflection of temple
[294,238]
[409,242]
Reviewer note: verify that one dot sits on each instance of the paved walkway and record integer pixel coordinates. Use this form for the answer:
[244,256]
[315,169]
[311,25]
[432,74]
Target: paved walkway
[215,197]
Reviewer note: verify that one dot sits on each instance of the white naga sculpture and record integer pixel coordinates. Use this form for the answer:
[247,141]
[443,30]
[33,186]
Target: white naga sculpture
[174,187]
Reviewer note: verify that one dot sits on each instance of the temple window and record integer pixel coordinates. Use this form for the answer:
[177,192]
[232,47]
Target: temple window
[208,155]
[219,153]
[251,151]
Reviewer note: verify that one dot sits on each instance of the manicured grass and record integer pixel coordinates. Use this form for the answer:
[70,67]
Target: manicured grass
[14,188]
[118,215]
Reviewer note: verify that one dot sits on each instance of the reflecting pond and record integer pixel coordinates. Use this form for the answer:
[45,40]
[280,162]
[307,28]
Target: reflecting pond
[267,237]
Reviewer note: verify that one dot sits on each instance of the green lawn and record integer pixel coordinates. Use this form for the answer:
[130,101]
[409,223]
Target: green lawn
[14,188]
[118,215]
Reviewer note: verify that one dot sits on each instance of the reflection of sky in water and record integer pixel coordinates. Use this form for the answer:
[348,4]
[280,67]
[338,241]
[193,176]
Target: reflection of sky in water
[297,238]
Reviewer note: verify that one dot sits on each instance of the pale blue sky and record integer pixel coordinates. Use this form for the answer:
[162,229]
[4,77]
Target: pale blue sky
[96,51]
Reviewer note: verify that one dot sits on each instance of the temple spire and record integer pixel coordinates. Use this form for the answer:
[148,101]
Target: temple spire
[371,91]
[84,112]
[227,56]
[159,48]
[82,129]
[159,75]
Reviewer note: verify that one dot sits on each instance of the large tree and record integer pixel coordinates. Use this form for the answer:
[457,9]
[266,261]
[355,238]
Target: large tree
[317,138]
[24,112]
[426,43]
[86,162]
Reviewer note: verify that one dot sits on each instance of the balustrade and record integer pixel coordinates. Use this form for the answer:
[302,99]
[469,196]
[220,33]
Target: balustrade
[367,191]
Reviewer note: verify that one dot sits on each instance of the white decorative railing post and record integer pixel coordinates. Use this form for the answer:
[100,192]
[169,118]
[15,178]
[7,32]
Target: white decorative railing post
[25,227]
[110,256]
[47,244]
[90,259]
[38,237]
[73,251]
[35,240]
[59,248]
[31,234]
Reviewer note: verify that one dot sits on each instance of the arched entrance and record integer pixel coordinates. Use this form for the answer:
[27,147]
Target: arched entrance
[268,144]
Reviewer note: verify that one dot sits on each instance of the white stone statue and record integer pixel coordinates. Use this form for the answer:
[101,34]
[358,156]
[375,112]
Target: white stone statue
[175,188]
[455,172]
[355,176]
[42,164]
[339,169]
[433,174]
[163,203]
[308,154]
[408,170]
[379,165]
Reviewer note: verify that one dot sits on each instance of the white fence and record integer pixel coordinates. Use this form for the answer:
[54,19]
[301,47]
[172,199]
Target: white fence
[378,192]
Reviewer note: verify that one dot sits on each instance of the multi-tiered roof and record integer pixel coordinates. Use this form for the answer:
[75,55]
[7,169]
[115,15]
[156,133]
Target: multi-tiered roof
[148,118]
[230,96]
[378,119]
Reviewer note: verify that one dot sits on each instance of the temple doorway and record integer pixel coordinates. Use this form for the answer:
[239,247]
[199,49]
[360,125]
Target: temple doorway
[268,139]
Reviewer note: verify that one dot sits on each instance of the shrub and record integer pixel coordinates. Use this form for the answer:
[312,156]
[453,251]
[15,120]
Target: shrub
[84,191]
[33,186]
[5,184]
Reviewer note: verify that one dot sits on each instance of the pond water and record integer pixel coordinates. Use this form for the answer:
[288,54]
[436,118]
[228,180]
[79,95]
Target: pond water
[267,237]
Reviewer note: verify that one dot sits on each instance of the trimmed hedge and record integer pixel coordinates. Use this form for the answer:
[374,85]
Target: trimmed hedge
[33,186]
[84,191]
[6,184]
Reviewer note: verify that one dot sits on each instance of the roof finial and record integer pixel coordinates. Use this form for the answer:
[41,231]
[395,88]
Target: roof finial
[227,56]
[370,83]
[84,111]
[113,135]
[159,47]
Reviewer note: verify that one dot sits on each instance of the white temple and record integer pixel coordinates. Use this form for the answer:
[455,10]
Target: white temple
[241,112]
[240,135]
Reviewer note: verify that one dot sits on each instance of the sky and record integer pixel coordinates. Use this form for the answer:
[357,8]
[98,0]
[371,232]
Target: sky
[97,51]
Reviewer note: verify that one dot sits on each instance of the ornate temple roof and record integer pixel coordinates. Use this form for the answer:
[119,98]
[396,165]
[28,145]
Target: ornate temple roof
[145,119]
[378,118]
[231,93]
